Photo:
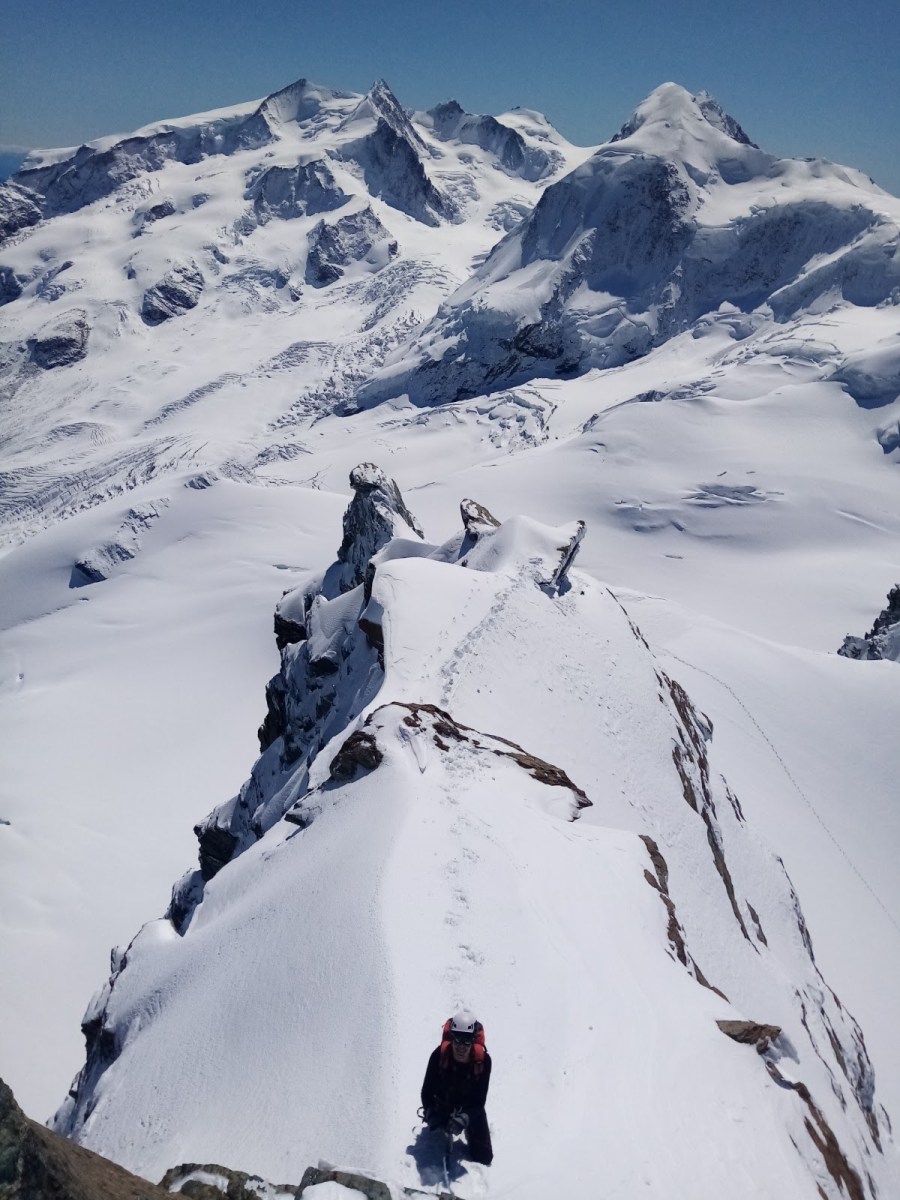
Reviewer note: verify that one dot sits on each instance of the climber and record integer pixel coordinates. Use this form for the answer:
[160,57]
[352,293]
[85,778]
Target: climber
[456,1085]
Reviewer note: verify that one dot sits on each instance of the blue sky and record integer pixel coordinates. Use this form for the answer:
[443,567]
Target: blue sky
[803,78]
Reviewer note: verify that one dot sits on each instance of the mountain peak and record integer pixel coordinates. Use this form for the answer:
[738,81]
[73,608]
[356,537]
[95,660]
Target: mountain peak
[299,101]
[671,106]
[380,104]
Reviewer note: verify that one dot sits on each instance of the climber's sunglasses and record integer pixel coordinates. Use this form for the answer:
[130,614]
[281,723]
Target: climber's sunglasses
[463,1039]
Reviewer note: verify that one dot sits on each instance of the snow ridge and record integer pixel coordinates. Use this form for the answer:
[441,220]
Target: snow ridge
[382,764]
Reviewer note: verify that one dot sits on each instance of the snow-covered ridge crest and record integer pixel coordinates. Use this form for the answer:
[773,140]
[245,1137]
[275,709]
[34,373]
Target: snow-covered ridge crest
[67,181]
[421,852]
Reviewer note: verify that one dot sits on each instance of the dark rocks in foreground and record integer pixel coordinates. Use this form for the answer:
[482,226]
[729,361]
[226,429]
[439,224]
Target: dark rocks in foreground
[36,1164]
[209,1181]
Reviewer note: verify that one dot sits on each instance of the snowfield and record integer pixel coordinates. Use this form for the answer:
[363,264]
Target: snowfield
[683,342]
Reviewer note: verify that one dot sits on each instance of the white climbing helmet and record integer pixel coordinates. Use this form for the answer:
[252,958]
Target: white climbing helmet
[462,1026]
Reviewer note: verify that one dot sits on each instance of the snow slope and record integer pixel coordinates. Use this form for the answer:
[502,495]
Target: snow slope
[302,985]
[738,481]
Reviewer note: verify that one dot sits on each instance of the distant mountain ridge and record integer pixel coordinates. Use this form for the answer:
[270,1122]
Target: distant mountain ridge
[259,213]
[678,215]
[457,255]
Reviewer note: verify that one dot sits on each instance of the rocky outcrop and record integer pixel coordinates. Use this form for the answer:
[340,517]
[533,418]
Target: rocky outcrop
[98,563]
[375,515]
[299,191]
[61,344]
[476,518]
[209,1181]
[10,285]
[212,1182]
[287,629]
[391,159]
[157,211]
[359,752]
[36,1164]
[330,669]
[178,291]
[750,1033]
[371,1189]
[335,246]
[49,286]
[19,208]
[883,639]
[567,555]
[659,881]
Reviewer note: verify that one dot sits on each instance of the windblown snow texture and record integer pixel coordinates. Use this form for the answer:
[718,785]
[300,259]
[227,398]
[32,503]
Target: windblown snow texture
[414,776]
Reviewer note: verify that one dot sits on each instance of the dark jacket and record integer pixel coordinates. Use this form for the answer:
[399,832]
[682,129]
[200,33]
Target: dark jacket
[450,1085]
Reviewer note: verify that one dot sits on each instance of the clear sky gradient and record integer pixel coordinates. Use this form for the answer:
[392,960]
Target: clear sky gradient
[804,77]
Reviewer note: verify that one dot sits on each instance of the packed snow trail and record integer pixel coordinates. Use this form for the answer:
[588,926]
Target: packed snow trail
[309,986]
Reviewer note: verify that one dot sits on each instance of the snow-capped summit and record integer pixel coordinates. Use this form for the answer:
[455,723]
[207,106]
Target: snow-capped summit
[678,215]
[674,117]
[303,101]
[513,153]
[392,157]
[380,104]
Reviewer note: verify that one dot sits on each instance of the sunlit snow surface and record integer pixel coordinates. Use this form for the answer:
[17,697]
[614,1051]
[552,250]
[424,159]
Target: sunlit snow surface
[740,503]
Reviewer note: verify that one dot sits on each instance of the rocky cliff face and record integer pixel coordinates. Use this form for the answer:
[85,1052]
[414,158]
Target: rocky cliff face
[61,343]
[376,514]
[284,193]
[177,292]
[19,208]
[335,246]
[331,667]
